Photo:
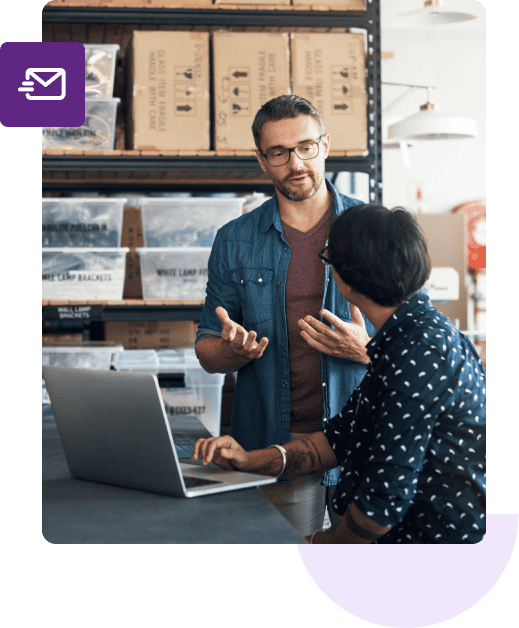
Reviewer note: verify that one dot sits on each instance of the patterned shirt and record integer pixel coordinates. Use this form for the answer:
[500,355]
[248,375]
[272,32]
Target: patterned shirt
[411,439]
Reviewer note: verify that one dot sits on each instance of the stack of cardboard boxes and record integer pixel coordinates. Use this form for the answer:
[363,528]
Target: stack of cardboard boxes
[174,108]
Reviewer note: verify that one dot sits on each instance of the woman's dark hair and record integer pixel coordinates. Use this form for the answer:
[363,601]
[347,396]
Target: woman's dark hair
[381,253]
[286,106]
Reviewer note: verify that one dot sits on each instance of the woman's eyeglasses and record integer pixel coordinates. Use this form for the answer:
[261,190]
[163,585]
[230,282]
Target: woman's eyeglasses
[326,261]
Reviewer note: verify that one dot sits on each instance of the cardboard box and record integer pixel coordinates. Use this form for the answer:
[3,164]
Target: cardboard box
[132,237]
[249,70]
[446,236]
[151,334]
[328,69]
[169,74]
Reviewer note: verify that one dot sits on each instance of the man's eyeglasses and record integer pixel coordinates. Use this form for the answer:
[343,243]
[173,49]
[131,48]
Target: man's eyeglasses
[326,261]
[281,156]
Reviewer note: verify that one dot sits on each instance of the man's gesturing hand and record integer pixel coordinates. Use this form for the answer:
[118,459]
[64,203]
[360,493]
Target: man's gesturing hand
[223,451]
[347,340]
[242,343]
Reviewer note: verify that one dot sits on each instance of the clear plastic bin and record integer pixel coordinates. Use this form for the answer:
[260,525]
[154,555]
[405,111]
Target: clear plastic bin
[82,222]
[97,133]
[186,222]
[199,394]
[100,62]
[83,273]
[137,360]
[174,273]
[87,355]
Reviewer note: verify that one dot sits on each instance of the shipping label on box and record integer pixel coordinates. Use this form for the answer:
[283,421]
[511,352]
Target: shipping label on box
[249,70]
[328,69]
[170,91]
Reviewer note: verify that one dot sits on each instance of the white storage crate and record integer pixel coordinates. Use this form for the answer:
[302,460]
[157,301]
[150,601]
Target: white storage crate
[87,355]
[100,69]
[186,222]
[137,360]
[97,133]
[174,273]
[200,393]
[83,273]
[82,222]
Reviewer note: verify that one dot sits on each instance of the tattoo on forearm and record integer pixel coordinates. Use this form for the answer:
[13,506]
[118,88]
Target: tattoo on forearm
[272,468]
[307,444]
[297,459]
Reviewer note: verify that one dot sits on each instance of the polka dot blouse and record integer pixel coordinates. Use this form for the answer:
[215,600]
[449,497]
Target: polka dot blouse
[411,438]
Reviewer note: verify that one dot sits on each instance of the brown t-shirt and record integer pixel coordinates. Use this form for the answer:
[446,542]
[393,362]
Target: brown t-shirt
[304,295]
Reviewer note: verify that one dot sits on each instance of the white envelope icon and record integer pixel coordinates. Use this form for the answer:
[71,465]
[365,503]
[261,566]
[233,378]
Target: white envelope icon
[32,73]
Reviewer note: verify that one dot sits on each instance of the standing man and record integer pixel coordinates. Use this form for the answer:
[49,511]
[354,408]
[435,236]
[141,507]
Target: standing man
[274,313]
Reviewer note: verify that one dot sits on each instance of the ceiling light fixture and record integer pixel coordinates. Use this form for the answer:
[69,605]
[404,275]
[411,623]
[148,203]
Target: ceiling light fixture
[433,13]
[428,123]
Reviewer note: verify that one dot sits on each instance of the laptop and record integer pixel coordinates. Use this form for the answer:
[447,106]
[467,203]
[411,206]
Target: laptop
[114,429]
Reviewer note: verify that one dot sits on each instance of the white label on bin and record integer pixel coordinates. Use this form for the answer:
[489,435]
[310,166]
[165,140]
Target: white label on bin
[83,284]
[184,273]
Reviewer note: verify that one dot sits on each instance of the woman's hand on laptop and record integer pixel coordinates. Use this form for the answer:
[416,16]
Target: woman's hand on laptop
[224,451]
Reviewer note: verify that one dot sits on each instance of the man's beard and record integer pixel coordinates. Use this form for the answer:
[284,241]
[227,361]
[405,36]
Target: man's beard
[297,196]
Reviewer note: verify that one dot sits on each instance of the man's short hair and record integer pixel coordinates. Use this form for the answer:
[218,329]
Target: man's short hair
[281,107]
[381,253]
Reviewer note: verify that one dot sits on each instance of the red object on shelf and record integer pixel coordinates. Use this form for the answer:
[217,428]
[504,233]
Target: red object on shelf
[476,212]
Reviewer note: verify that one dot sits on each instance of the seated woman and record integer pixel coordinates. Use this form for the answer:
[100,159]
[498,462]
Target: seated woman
[411,439]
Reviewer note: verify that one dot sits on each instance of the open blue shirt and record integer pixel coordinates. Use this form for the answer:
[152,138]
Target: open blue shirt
[247,274]
[411,439]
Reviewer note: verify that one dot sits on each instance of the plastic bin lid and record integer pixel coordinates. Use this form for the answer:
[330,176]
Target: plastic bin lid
[86,199]
[193,200]
[74,347]
[72,249]
[182,249]
[137,359]
[102,46]
[98,100]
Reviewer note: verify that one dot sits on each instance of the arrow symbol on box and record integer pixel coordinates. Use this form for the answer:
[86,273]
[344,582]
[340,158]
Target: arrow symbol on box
[240,74]
[344,106]
[183,108]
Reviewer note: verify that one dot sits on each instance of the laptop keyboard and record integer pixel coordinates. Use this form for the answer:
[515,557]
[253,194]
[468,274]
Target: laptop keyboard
[191,482]
[184,444]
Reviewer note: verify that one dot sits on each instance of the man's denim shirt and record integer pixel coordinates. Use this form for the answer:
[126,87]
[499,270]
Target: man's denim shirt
[247,273]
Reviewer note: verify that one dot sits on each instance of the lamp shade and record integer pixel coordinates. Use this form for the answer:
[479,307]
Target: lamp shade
[433,13]
[429,124]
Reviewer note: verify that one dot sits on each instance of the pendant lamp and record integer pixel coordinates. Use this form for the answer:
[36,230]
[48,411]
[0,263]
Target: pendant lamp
[433,13]
[428,123]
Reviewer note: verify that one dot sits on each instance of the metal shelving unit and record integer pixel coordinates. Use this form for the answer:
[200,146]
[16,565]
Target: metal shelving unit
[128,310]
[210,16]
[154,165]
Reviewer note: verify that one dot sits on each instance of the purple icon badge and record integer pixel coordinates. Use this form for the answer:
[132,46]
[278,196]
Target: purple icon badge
[43,84]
